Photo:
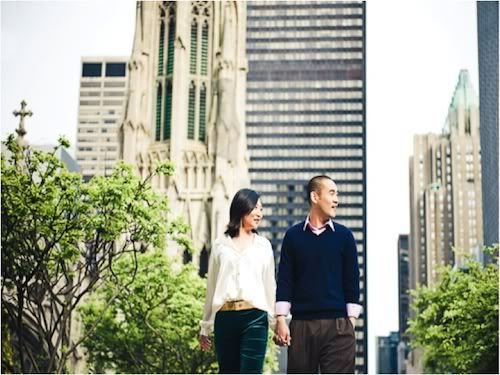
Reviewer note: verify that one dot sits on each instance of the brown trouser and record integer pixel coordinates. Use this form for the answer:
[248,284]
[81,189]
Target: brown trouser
[327,345]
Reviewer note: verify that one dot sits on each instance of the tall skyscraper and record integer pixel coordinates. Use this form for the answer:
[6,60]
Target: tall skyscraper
[103,84]
[403,301]
[487,31]
[186,103]
[445,183]
[306,116]
[403,284]
[387,359]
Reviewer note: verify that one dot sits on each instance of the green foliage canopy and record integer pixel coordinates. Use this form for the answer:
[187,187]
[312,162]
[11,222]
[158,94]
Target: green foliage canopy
[152,325]
[60,239]
[456,321]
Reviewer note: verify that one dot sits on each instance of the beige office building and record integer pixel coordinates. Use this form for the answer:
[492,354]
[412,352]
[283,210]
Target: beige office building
[445,190]
[103,85]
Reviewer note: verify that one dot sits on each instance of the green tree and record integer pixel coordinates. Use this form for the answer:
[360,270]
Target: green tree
[456,321]
[60,240]
[153,325]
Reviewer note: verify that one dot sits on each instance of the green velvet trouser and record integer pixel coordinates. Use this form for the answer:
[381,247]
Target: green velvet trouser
[241,340]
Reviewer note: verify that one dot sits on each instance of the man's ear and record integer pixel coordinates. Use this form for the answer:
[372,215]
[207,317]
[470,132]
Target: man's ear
[314,196]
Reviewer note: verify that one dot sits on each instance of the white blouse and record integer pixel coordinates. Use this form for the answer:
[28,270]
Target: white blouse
[235,274]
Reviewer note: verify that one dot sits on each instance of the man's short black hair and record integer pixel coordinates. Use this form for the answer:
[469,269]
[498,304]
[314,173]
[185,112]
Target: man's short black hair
[314,184]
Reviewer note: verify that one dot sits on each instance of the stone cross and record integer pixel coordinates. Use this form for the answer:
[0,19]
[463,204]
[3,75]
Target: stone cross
[21,131]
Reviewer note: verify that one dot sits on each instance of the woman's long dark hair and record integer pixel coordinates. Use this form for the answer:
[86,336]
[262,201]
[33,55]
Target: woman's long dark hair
[243,203]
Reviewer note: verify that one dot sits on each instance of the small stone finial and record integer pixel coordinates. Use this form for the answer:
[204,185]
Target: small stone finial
[21,131]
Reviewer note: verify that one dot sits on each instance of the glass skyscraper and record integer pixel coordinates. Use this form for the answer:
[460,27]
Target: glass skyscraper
[487,32]
[306,116]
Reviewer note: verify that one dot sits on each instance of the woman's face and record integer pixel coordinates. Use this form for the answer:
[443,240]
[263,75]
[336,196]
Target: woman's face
[253,219]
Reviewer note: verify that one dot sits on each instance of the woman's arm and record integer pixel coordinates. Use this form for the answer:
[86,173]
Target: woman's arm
[213,270]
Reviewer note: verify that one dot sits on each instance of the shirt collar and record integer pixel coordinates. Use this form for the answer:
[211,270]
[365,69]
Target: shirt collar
[329,222]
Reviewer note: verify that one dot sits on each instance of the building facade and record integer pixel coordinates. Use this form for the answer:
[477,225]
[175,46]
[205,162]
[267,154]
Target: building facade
[403,284]
[103,85]
[306,116]
[186,104]
[445,184]
[487,31]
[387,358]
[403,301]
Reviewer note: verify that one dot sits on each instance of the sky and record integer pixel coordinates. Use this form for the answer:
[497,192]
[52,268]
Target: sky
[415,51]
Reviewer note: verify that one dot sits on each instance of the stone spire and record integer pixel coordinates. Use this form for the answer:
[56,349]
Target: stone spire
[21,131]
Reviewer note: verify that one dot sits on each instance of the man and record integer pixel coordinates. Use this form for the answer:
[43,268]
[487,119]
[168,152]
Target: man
[318,283]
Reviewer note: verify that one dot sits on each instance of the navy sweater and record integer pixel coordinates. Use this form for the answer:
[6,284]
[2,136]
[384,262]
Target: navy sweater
[318,275]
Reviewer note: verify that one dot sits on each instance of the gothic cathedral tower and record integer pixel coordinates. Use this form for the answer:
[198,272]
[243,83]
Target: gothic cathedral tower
[186,103]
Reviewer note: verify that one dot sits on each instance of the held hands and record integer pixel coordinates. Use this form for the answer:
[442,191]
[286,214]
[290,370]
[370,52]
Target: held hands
[205,343]
[353,321]
[282,332]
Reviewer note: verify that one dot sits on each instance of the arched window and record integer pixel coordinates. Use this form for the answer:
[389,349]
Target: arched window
[186,257]
[194,47]
[199,68]
[203,112]
[163,111]
[168,110]
[191,110]
[203,262]
[204,48]
[159,94]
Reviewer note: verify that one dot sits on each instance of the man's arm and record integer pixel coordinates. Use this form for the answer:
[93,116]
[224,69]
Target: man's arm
[284,294]
[351,278]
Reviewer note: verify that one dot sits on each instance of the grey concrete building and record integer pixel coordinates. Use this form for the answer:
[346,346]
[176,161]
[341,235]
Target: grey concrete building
[306,116]
[487,32]
[103,84]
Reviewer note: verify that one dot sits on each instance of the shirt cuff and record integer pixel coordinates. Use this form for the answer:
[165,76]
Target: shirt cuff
[353,309]
[283,308]
[207,327]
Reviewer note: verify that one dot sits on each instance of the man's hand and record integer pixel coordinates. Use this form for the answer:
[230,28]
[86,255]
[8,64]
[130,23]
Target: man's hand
[205,343]
[353,321]
[282,332]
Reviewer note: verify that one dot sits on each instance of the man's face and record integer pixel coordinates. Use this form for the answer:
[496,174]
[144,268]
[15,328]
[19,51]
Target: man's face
[326,200]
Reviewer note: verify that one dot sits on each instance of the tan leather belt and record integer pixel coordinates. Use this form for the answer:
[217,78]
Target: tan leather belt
[236,306]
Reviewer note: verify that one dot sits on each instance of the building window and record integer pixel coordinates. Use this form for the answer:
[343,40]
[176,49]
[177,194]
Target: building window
[163,103]
[203,111]
[115,69]
[201,12]
[161,48]
[92,70]
[158,112]
[204,48]
[168,112]
[194,46]
[170,51]
[191,108]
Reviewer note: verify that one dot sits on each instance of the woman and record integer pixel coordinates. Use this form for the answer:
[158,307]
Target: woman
[240,290]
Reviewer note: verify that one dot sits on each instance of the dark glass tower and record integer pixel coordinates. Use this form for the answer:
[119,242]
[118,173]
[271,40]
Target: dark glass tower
[403,284]
[387,353]
[306,116]
[487,31]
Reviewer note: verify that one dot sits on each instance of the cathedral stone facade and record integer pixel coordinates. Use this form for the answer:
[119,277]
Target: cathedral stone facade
[186,103]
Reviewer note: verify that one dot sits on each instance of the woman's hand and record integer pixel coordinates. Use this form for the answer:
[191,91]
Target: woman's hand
[282,332]
[205,343]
